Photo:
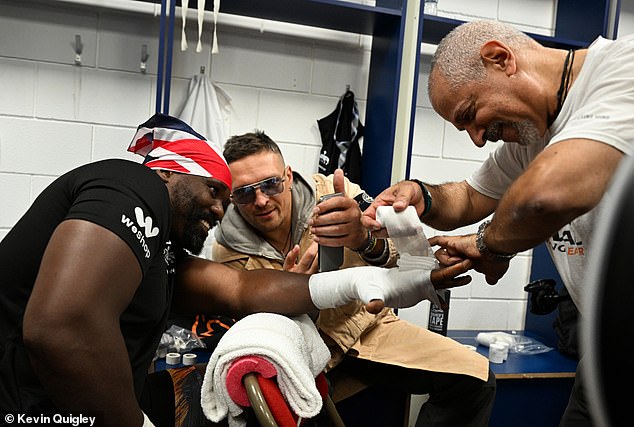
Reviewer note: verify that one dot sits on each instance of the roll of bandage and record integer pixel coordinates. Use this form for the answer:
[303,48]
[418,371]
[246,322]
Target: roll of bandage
[189,359]
[405,230]
[496,353]
[172,358]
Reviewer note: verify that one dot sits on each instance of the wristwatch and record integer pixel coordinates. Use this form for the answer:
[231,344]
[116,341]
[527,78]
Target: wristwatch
[482,247]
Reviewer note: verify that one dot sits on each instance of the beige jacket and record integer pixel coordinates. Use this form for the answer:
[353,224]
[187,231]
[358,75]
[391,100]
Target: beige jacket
[350,329]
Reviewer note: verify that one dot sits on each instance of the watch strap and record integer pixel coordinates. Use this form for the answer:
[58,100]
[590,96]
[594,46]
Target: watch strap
[484,250]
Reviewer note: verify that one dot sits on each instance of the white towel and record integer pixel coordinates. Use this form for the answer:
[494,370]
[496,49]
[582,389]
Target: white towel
[292,345]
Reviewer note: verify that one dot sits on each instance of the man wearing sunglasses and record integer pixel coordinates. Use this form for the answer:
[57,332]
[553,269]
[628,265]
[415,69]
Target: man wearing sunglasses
[275,222]
[93,269]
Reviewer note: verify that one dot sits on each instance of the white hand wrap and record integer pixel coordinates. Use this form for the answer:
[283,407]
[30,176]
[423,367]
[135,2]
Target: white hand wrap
[405,230]
[395,286]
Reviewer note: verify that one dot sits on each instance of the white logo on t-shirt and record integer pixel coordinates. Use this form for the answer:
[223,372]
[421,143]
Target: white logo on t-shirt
[145,222]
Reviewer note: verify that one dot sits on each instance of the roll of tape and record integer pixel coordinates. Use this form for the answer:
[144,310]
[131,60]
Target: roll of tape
[189,359]
[496,353]
[505,349]
[407,235]
[405,230]
[172,358]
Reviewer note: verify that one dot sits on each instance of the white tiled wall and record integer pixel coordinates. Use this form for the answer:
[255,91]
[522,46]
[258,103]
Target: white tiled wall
[55,115]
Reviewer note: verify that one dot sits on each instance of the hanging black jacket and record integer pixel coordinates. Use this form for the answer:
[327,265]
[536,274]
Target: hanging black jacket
[340,133]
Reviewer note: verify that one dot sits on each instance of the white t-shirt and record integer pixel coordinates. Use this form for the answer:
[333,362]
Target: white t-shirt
[599,106]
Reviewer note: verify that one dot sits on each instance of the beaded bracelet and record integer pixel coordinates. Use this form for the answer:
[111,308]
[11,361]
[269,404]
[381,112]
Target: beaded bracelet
[382,257]
[369,247]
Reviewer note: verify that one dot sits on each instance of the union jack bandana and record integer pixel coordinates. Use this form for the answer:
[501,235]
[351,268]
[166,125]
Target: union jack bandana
[171,144]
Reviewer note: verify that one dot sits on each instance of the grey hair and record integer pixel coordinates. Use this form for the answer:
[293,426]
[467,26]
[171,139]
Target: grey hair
[458,54]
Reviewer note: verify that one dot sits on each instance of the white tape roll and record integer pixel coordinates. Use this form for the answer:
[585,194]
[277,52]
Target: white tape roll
[487,338]
[405,230]
[505,349]
[407,235]
[496,353]
[189,359]
[172,358]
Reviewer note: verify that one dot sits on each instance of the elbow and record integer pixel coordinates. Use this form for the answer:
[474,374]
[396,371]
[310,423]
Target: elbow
[552,206]
[45,348]
[37,338]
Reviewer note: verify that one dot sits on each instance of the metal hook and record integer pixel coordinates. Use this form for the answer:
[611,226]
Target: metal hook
[144,57]
[78,49]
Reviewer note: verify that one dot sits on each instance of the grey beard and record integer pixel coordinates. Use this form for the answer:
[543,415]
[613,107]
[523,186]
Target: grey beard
[528,133]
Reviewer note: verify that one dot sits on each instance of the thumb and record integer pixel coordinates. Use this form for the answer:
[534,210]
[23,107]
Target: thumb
[401,202]
[375,306]
[338,181]
[491,280]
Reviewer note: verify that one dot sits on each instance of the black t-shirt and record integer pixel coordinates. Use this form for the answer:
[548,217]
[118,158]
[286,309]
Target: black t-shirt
[128,199]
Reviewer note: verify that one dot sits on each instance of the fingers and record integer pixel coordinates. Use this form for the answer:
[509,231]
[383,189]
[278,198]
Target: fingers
[338,181]
[444,242]
[406,193]
[438,241]
[375,306]
[445,258]
[455,282]
[368,219]
[447,277]
[462,246]
[401,202]
[461,281]
[314,266]
[399,196]
[308,262]
[459,268]
[291,259]
[491,280]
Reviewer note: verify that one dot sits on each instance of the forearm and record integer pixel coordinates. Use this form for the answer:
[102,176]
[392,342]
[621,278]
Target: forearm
[519,225]
[274,291]
[455,205]
[209,287]
[548,196]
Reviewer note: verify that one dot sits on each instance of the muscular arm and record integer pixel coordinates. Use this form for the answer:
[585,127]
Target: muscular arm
[454,204]
[210,287]
[565,181]
[71,327]
[206,286]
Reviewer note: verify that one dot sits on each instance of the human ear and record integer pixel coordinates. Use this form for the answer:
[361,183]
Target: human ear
[499,56]
[165,175]
[289,175]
